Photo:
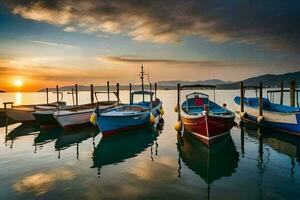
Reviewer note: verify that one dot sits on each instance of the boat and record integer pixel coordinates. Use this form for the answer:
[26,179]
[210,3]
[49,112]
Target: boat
[131,115]
[24,113]
[210,163]
[120,147]
[70,116]
[275,116]
[203,118]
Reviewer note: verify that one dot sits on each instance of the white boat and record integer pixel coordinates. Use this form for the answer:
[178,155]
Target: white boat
[80,115]
[24,113]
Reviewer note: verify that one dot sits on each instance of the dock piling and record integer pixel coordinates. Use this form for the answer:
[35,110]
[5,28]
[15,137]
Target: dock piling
[242,97]
[57,95]
[130,89]
[281,93]
[178,100]
[118,92]
[76,94]
[92,93]
[292,93]
[108,99]
[155,90]
[47,95]
[260,99]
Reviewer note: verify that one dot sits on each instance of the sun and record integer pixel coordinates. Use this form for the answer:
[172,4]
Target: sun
[18,82]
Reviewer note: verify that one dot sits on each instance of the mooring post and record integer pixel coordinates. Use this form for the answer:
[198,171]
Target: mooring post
[118,92]
[76,94]
[292,93]
[108,99]
[47,95]
[242,97]
[260,99]
[281,93]
[92,93]
[130,89]
[178,100]
[57,98]
[155,90]
[73,96]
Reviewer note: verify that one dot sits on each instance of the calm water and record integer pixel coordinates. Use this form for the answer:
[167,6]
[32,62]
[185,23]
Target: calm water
[145,164]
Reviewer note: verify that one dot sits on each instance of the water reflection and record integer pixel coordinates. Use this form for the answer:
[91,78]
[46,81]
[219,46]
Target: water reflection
[118,148]
[74,137]
[20,131]
[19,97]
[281,143]
[211,163]
[46,136]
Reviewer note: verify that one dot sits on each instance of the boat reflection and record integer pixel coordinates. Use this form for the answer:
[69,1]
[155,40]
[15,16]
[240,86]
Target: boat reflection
[47,135]
[281,143]
[210,163]
[20,131]
[117,148]
[75,137]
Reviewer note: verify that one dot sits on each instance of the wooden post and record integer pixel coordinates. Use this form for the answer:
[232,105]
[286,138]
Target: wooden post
[292,93]
[155,90]
[150,85]
[72,89]
[281,93]
[242,96]
[47,95]
[260,99]
[92,93]
[108,99]
[118,92]
[57,98]
[76,94]
[130,89]
[178,100]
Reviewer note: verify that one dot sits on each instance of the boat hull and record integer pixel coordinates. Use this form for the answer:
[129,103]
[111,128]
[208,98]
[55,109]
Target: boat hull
[283,122]
[20,115]
[114,124]
[207,128]
[45,118]
[74,119]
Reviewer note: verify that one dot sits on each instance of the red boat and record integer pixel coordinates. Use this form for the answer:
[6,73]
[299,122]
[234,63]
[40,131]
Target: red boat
[204,119]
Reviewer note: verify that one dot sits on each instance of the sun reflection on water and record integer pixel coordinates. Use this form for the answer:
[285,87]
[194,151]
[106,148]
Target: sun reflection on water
[19,98]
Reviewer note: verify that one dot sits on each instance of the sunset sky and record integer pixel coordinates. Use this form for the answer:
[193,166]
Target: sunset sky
[44,43]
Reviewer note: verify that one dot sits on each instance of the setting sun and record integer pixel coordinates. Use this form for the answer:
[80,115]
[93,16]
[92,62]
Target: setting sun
[18,83]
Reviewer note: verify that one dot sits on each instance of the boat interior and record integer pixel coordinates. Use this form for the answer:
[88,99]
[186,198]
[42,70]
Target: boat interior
[197,102]
[267,105]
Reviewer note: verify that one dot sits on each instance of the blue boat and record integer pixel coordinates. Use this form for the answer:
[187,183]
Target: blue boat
[276,116]
[131,115]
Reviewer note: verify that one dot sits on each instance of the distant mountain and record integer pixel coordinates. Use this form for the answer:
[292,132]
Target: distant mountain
[268,80]
[1,91]
[205,82]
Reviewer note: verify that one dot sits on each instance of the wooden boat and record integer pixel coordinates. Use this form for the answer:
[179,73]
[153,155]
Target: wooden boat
[24,113]
[204,119]
[80,115]
[69,115]
[211,164]
[131,115]
[276,116]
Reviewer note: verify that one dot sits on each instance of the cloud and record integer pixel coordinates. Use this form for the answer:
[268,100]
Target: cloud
[271,24]
[53,44]
[70,29]
[141,60]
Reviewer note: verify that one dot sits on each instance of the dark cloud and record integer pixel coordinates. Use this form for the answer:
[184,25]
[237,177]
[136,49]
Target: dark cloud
[272,24]
[140,60]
